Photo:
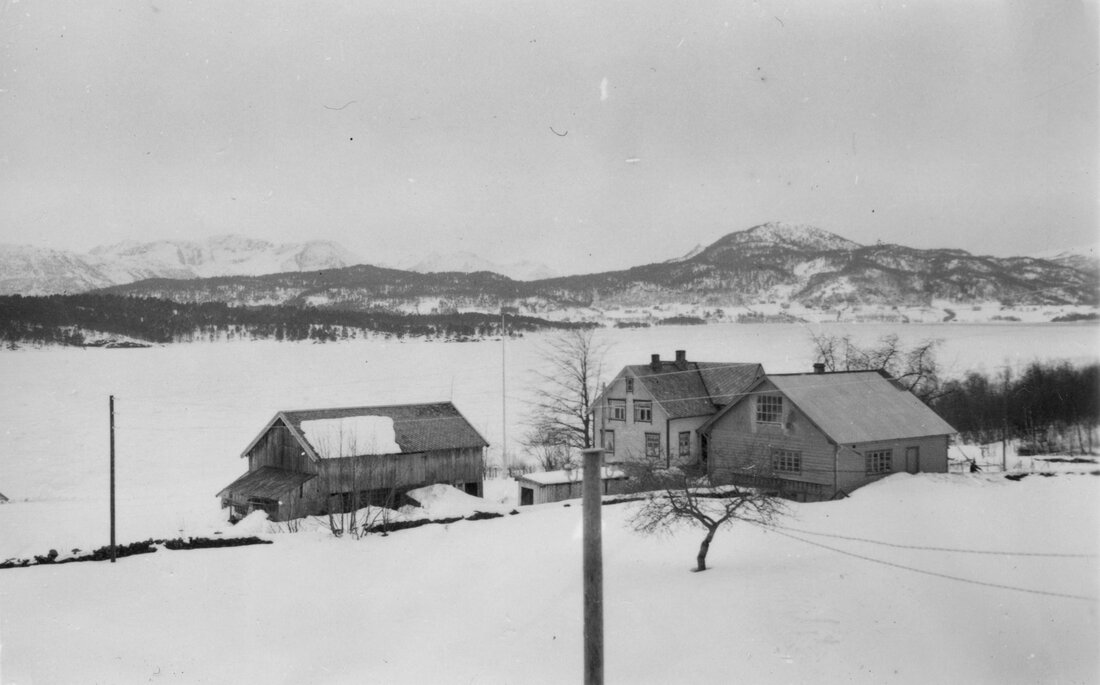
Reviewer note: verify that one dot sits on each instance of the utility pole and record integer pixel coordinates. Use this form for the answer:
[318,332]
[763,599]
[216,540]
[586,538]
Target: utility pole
[112,411]
[503,397]
[593,567]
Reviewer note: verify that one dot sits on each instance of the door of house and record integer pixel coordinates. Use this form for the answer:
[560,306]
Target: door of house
[912,459]
[526,496]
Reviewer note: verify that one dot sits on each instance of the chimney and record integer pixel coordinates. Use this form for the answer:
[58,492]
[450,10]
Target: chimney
[655,362]
[819,367]
[681,359]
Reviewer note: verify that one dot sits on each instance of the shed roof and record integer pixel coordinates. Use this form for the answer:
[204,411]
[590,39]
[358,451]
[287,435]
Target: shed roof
[266,482]
[570,476]
[695,388]
[416,427]
[861,406]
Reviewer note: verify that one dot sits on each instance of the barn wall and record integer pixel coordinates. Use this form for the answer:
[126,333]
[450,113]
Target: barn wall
[278,448]
[397,472]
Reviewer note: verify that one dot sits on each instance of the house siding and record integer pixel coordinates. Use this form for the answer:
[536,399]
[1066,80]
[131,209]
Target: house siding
[853,464]
[738,444]
[630,435]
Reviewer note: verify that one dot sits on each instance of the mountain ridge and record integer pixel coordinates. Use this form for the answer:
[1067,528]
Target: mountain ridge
[768,263]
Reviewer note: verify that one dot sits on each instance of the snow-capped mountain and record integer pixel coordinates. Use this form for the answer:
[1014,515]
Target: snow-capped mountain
[1082,257]
[771,263]
[37,271]
[468,262]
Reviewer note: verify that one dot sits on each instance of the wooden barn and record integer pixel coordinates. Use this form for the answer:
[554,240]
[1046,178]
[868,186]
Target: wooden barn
[554,486]
[819,435]
[321,461]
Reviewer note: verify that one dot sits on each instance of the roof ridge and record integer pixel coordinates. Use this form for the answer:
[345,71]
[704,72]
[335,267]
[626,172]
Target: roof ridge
[368,406]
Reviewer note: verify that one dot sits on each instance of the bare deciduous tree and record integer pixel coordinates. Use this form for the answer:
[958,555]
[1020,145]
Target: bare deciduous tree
[561,420]
[674,498]
[914,368]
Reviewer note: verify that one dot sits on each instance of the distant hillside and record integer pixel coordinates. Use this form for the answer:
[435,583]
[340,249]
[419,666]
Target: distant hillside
[78,319]
[36,271]
[768,263]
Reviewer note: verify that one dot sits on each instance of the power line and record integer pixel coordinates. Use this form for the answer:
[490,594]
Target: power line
[939,549]
[936,574]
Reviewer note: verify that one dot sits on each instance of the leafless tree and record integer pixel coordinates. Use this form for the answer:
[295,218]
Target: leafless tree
[561,420]
[674,498]
[915,368]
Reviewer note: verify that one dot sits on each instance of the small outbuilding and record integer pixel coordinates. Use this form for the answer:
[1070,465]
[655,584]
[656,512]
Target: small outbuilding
[554,486]
[320,461]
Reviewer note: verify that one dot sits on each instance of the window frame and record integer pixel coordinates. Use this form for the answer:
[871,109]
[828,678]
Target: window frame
[614,406]
[786,461]
[604,435]
[768,406]
[879,462]
[629,384]
[655,438]
[640,407]
[684,443]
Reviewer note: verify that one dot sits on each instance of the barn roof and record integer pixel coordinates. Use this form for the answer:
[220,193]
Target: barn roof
[695,388]
[416,427]
[858,407]
[266,482]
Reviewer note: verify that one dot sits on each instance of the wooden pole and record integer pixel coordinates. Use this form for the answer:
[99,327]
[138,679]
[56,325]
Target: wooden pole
[503,398]
[112,408]
[593,568]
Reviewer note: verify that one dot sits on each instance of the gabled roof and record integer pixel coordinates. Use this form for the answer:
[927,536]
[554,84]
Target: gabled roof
[694,388]
[416,427]
[266,482]
[856,407]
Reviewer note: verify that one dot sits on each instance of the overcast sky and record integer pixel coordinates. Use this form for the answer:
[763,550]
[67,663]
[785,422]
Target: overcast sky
[583,135]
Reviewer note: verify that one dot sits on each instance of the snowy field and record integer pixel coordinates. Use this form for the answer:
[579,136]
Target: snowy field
[499,600]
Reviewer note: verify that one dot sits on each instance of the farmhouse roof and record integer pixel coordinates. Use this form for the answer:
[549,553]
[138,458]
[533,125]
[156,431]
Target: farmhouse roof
[695,388]
[267,482]
[857,407]
[416,427]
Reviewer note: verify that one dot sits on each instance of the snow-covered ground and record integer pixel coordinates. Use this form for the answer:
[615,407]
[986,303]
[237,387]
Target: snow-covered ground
[499,600]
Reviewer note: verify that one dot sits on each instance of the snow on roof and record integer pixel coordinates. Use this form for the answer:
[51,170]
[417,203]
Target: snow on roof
[351,436]
[570,476]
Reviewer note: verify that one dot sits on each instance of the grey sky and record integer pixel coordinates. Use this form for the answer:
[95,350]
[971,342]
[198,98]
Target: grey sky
[402,127]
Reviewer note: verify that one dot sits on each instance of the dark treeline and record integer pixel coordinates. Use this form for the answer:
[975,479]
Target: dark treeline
[58,319]
[1050,407]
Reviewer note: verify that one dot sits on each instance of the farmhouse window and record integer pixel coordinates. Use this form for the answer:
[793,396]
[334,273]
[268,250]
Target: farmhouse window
[652,445]
[685,443]
[643,411]
[630,385]
[769,409]
[878,461]
[609,441]
[618,409]
[786,461]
